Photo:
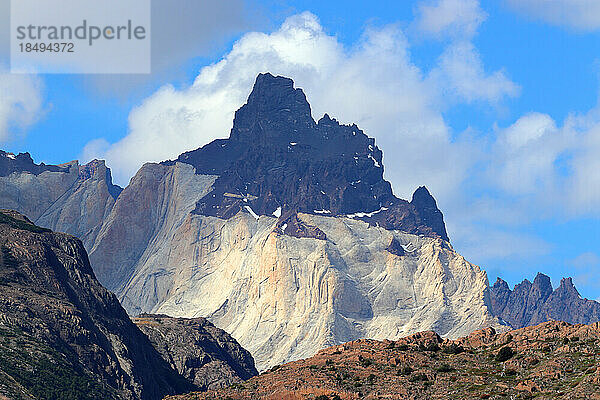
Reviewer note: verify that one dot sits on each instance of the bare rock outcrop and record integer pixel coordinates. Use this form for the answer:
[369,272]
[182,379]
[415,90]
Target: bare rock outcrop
[68,198]
[204,354]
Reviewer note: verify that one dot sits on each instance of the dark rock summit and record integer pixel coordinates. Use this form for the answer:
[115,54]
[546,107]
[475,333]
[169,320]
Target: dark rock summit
[23,162]
[533,303]
[204,354]
[62,335]
[278,159]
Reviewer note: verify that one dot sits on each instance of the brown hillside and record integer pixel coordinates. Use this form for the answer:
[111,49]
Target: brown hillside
[554,360]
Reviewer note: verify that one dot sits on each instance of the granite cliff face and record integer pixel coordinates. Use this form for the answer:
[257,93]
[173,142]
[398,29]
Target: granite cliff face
[532,303]
[204,354]
[65,198]
[286,236]
[62,335]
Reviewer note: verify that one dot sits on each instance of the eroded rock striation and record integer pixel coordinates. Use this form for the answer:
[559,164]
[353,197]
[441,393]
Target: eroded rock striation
[62,335]
[533,303]
[204,354]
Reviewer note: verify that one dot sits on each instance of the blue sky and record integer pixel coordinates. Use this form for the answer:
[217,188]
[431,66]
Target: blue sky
[493,105]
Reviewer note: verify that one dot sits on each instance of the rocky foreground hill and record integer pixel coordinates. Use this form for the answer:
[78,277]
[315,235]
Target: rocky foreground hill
[64,336]
[553,360]
[204,354]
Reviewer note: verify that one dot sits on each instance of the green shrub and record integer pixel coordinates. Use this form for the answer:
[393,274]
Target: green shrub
[418,378]
[432,346]
[505,353]
[405,371]
[453,349]
[445,368]
[365,362]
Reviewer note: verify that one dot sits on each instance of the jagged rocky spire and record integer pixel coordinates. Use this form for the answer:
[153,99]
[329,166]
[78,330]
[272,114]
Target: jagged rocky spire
[279,161]
[533,303]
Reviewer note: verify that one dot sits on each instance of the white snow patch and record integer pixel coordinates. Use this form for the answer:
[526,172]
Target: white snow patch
[322,211]
[408,247]
[283,227]
[374,161]
[362,214]
[251,211]
[293,143]
[11,156]
[277,213]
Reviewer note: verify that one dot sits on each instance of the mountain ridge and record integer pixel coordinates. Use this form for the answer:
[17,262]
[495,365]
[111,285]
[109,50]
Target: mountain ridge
[286,235]
[554,360]
[531,303]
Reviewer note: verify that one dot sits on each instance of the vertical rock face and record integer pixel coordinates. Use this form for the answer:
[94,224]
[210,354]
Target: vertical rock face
[80,341]
[204,354]
[537,302]
[140,229]
[82,209]
[67,198]
[285,297]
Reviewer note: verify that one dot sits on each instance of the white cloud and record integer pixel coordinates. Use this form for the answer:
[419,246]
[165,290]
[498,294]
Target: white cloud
[461,73]
[523,170]
[550,170]
[92,149]
[585,270]
[585,261]
[20,103]
[373,83]
[577,14]
[181,30]
[483,243]
[525,154]
[450,17]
